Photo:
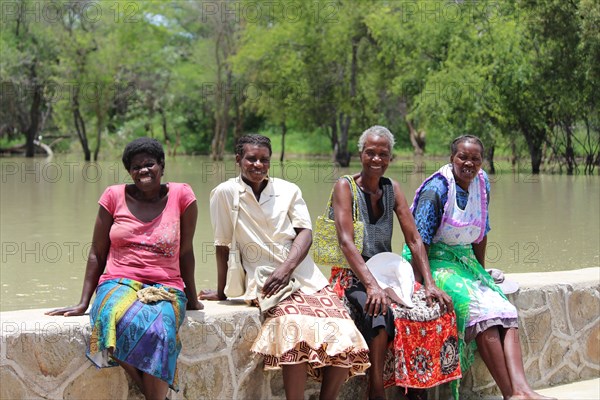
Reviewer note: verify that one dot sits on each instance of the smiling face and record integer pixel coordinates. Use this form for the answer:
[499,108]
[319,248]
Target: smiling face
[254,164]
[376,155]
[466,162]
[146,172]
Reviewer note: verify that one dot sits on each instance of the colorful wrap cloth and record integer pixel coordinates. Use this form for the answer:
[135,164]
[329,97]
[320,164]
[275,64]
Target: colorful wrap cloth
[143,335]
[314,329]
[457,272]
[424,350]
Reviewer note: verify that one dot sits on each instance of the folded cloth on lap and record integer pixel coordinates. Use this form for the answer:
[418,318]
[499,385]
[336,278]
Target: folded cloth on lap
[261,275]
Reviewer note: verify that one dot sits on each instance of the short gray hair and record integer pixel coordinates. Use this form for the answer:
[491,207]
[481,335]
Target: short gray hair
[376,130]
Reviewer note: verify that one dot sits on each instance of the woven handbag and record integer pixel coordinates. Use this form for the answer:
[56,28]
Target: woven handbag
[326,249]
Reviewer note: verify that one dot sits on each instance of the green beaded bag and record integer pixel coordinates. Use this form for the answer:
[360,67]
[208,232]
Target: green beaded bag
[326,249]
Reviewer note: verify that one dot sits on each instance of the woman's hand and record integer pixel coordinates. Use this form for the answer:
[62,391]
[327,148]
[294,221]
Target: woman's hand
[434,293]
[70,311]
[277,281]
[377,301]
[209,294]
[194,304]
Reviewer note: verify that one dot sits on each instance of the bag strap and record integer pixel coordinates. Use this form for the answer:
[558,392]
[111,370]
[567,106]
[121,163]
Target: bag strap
[355,212]
[235,211]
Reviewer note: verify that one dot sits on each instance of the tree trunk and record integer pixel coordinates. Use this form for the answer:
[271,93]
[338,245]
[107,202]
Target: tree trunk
[535,152]
[490,156]
[417,138]
[535,138]
[342,155]
[283,132]
[80,125]
[221,118]
[98,139]
[513,150]
[163,118]
[34,115]
[569,152]
[239,119]
[592,149]
[334,135]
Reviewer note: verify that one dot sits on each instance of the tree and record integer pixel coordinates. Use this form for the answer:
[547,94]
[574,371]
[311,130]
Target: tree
[26,73]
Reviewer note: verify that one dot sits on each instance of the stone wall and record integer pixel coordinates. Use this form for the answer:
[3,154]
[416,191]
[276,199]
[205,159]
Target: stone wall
[43,357]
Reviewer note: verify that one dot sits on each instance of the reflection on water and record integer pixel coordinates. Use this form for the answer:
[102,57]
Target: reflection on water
[539,223]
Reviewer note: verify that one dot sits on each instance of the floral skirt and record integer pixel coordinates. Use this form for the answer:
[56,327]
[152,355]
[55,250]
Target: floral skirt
[140,334]
[424,350]
[314,329]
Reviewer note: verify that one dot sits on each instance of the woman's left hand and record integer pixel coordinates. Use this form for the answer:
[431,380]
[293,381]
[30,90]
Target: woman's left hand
[434,293]
[194,304]
[277,281]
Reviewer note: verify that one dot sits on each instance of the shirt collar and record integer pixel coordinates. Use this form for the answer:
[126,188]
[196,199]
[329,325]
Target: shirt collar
[265,195]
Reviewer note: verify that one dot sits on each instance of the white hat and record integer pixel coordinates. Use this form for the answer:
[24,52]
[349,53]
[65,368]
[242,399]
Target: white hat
[506,285]
[392,271]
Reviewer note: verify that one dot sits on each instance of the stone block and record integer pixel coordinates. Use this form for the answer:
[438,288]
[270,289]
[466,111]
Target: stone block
[563,375]
[556,302]
[313,388]
[14,388]
[591,349]
[534,332]
[253,385]
[199,338]
[207,380]
[47,359]
[529,299]
[583,308]
[275,379]
[554,355]
[479,374]
[532,371]
[466,382]
[135,393]
[227,328]
[588,373]
[98,384]
[243,358]
[354,387]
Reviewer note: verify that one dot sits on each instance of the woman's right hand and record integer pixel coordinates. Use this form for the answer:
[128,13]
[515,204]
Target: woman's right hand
[377,301]
[70,311]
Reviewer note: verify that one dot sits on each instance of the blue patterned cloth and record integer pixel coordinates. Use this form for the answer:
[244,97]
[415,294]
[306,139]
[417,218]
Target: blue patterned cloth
[143,335]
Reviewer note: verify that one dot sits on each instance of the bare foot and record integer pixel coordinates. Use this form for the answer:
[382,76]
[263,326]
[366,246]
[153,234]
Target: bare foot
[530,395]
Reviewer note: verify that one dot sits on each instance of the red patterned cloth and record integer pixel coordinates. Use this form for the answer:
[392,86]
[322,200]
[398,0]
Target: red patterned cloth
[315,329]
[424,352]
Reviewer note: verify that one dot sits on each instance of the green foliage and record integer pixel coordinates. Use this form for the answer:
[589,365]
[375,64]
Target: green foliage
[522,74]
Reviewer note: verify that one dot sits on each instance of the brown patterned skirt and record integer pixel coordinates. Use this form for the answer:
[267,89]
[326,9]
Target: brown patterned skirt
[314,329]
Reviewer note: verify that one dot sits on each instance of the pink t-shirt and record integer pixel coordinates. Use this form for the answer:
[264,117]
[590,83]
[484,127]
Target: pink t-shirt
[147,252]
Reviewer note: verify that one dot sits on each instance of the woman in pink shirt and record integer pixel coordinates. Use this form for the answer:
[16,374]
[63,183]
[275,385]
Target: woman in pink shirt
[141,267]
